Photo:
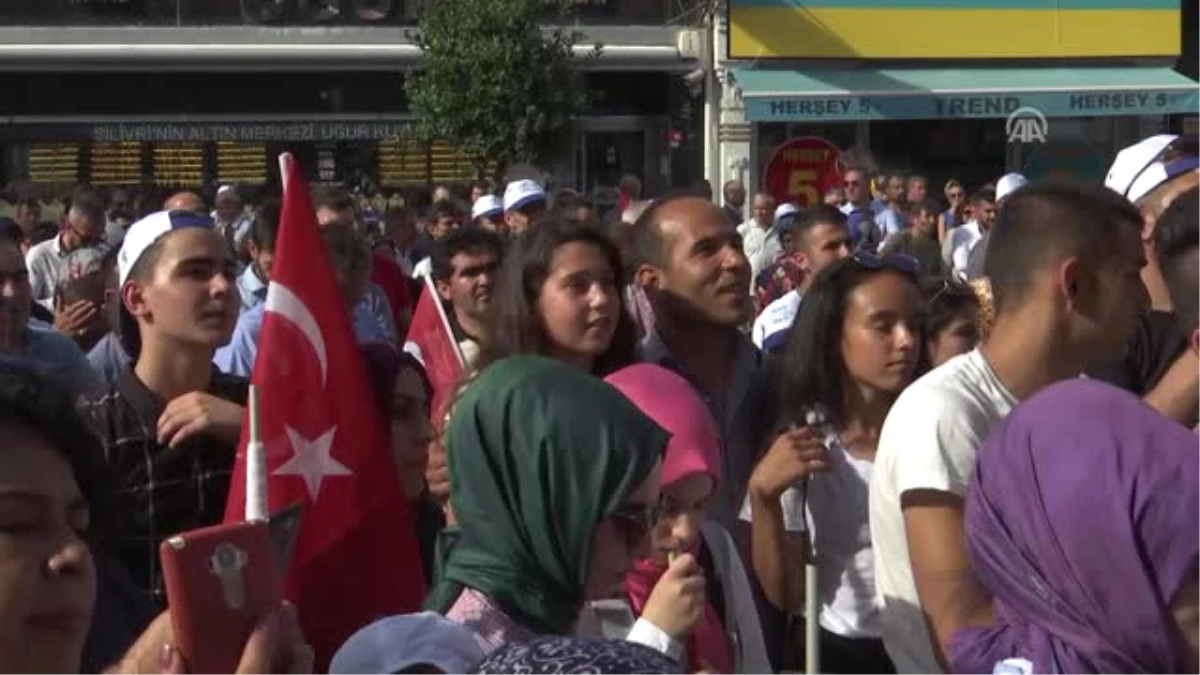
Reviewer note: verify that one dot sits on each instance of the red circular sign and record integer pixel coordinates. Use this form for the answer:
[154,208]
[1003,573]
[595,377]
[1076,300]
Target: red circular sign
[801,170]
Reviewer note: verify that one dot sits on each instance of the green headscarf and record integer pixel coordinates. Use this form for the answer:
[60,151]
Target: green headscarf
[540,453]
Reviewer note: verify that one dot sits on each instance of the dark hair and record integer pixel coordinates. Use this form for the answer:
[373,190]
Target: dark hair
[702,188]
[88,201]
[32,399]
[265,228]
[645,238]
[1047,221]
[446,208]
[11,231]
[944,301]
[983,196]
[401,214]
[925,205]
[333,198]
[383,363]
[821,214]
[44,231]
[470,240]
[513,325]
[1178,234]
[810,369]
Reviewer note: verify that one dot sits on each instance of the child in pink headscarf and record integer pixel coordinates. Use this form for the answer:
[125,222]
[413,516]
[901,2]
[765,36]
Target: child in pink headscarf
[693,586]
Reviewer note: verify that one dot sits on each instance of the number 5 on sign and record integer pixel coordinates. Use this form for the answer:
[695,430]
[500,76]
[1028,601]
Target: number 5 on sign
[802,187]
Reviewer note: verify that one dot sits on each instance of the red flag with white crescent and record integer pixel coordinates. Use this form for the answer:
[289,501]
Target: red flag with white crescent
[356,555]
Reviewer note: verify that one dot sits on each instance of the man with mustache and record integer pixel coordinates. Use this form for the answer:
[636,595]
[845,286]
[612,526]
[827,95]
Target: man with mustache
[692,268]
[38,343]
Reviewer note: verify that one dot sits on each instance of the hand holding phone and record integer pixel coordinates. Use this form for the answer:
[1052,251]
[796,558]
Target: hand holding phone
[221,582]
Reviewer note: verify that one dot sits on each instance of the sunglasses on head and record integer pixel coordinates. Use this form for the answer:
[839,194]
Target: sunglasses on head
[1171,170]
[635,522]
[896,261]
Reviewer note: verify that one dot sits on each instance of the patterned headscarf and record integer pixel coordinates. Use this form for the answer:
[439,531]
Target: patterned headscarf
[552,655]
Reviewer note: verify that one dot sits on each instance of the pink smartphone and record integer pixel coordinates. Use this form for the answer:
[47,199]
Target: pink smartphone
[220,581]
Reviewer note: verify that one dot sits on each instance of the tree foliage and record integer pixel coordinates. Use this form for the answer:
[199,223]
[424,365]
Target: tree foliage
[494,83]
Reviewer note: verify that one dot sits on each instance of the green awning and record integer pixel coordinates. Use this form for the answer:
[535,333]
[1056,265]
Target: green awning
[827,94]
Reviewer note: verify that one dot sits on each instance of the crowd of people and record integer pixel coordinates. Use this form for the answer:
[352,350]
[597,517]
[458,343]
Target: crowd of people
[974,418]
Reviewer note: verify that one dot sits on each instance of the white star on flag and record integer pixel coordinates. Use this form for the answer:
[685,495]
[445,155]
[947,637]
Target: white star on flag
[312,460]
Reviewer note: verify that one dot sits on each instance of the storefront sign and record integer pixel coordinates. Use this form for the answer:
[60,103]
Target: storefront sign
[246,132]
[801,170]
[950,29]
[996,106]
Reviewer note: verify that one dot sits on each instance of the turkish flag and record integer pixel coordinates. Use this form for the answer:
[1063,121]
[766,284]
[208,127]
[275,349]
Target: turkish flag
[356,555]
[432,342]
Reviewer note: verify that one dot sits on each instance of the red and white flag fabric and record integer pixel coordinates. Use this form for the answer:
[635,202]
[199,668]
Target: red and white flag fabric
[432,342]
[356,555]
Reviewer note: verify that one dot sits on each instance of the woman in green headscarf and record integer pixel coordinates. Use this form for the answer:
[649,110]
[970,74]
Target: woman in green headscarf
[554,480]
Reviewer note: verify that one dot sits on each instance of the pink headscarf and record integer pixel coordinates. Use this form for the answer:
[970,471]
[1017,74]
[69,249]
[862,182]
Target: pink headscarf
[694,448]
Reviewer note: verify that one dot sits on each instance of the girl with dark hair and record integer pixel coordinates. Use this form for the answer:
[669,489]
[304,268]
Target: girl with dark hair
[854,347]
[66,606]
[558,294]
[951,321]
[404,394]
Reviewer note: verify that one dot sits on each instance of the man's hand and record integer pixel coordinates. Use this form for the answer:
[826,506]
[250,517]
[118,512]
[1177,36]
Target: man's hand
[71,320]
[200,413]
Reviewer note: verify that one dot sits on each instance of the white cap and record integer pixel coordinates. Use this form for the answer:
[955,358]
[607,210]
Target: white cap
[1008,184]
[1137,169]
[228,190]
[486,205]
[522,192]
[142,235]
[784,210]
[394,644]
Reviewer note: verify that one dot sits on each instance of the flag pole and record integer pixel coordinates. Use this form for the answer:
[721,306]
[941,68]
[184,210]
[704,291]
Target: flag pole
[812,601]
[441,310]
[256,466]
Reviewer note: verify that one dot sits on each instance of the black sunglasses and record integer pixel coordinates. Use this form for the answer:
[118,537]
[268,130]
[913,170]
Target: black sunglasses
[896,261]
[635,522]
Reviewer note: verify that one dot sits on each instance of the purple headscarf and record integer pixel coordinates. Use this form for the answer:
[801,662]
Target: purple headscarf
[1082,520]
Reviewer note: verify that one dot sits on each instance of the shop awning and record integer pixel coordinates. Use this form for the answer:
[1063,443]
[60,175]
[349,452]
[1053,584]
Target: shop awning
[847,94]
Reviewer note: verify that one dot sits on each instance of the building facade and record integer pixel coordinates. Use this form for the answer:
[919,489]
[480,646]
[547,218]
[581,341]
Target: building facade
[197,93]
[965,89]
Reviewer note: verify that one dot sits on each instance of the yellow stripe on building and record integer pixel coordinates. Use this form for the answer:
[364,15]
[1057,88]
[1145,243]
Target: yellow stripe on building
[789,32]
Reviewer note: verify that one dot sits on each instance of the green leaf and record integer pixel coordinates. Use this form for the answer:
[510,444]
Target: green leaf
[493,84]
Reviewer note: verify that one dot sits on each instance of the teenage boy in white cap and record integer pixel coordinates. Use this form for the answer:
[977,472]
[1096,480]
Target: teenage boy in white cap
[524,201]
[170,425]
[488,213]
[1157,366]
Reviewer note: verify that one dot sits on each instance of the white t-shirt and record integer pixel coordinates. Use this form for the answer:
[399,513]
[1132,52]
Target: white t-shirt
[963,239]
[754,239]
[837,515]
[928,441]
[771,328]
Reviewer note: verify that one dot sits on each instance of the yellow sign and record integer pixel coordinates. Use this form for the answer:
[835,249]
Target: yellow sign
[944,29]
